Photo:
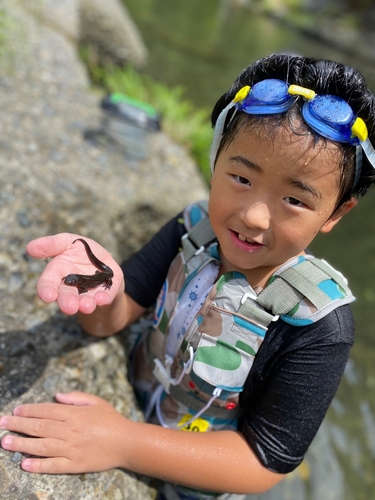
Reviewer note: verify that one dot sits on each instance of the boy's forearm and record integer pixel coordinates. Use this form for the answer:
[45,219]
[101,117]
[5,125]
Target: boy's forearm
[110,319]
[220,461]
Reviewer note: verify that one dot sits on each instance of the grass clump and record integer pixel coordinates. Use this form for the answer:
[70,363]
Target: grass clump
[181,120]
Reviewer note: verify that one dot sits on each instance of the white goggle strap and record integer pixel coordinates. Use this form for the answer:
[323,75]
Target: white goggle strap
[358,164]
[219,128]
[367,147]
[369,151]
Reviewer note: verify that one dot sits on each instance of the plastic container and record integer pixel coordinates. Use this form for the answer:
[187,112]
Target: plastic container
[128,122]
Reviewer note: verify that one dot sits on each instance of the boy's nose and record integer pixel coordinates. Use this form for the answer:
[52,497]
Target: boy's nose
[257,216]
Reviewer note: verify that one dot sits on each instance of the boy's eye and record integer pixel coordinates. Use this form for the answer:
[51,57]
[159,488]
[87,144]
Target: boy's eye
[242,180]
[294,201]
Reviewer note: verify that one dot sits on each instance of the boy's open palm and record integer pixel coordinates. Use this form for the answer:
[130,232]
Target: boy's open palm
[69,258]
[82,435]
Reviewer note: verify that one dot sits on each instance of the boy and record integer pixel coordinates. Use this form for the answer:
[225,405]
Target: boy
[289,157]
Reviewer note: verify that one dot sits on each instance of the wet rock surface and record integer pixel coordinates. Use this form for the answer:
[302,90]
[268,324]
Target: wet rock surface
[54,179]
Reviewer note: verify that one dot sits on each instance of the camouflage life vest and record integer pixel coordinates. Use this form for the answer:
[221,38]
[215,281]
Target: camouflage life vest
[208,330]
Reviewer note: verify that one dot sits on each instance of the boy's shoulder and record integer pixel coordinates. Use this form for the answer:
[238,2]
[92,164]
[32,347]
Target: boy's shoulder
[335,328]
[304,290]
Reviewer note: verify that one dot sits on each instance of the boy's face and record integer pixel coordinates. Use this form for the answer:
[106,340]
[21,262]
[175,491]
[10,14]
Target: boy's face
[270,197]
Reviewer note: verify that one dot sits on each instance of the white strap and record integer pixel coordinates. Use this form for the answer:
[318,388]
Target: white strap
[159,392]
[219,128]
[215,395]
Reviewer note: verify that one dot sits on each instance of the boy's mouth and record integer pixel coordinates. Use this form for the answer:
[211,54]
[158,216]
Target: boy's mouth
[243,238]
[244,243]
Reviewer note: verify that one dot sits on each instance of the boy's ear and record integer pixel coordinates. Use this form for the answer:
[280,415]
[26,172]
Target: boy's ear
[334,219]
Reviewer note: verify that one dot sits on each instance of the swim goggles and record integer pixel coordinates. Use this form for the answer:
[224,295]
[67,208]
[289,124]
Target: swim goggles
[328,115]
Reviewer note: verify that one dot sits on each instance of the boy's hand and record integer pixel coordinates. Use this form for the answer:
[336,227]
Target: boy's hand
[69,258]
[81,435]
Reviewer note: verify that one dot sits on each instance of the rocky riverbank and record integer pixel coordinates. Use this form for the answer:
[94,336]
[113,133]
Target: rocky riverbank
[54,180]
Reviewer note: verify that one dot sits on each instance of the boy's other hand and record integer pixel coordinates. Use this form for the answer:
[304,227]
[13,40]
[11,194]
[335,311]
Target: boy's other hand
[81,435]
[68,258]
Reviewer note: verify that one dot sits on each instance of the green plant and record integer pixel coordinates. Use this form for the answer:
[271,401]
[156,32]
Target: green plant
[11,33]
[186,124]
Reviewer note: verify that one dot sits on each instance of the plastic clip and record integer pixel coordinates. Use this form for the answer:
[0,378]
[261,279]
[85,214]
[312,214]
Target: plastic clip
[248,295]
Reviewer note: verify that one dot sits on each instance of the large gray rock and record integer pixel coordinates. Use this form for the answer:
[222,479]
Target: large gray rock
[104,27]
[53,180]
[109,33]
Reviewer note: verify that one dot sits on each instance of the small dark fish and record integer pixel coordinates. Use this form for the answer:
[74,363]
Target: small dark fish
[85,282]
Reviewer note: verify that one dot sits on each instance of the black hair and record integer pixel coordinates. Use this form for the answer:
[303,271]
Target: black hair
[323,77]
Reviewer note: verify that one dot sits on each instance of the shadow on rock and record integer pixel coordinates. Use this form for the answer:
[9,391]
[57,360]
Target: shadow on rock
[24,355]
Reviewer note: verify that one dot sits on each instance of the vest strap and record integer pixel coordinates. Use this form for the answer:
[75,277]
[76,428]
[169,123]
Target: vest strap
[294,283]
[199,236]
[188,248]
[254,313]
[279,297]
[202,233]
[335,275]
[306,286]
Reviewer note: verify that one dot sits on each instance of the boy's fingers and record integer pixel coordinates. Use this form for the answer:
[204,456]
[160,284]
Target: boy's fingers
[77,398]
[51,411]
[49,246]
[41,447]
[35,427]
[48,290]
[57,465]
[51,279]
[17,424]
[50,287]
[87,303]
[68,301]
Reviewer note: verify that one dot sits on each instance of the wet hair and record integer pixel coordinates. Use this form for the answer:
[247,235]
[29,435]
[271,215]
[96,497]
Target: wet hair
[323,77]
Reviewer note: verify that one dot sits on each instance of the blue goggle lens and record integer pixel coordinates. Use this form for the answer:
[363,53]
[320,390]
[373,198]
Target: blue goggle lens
[332,109]
[269,92]
[267,97]
[331,117]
